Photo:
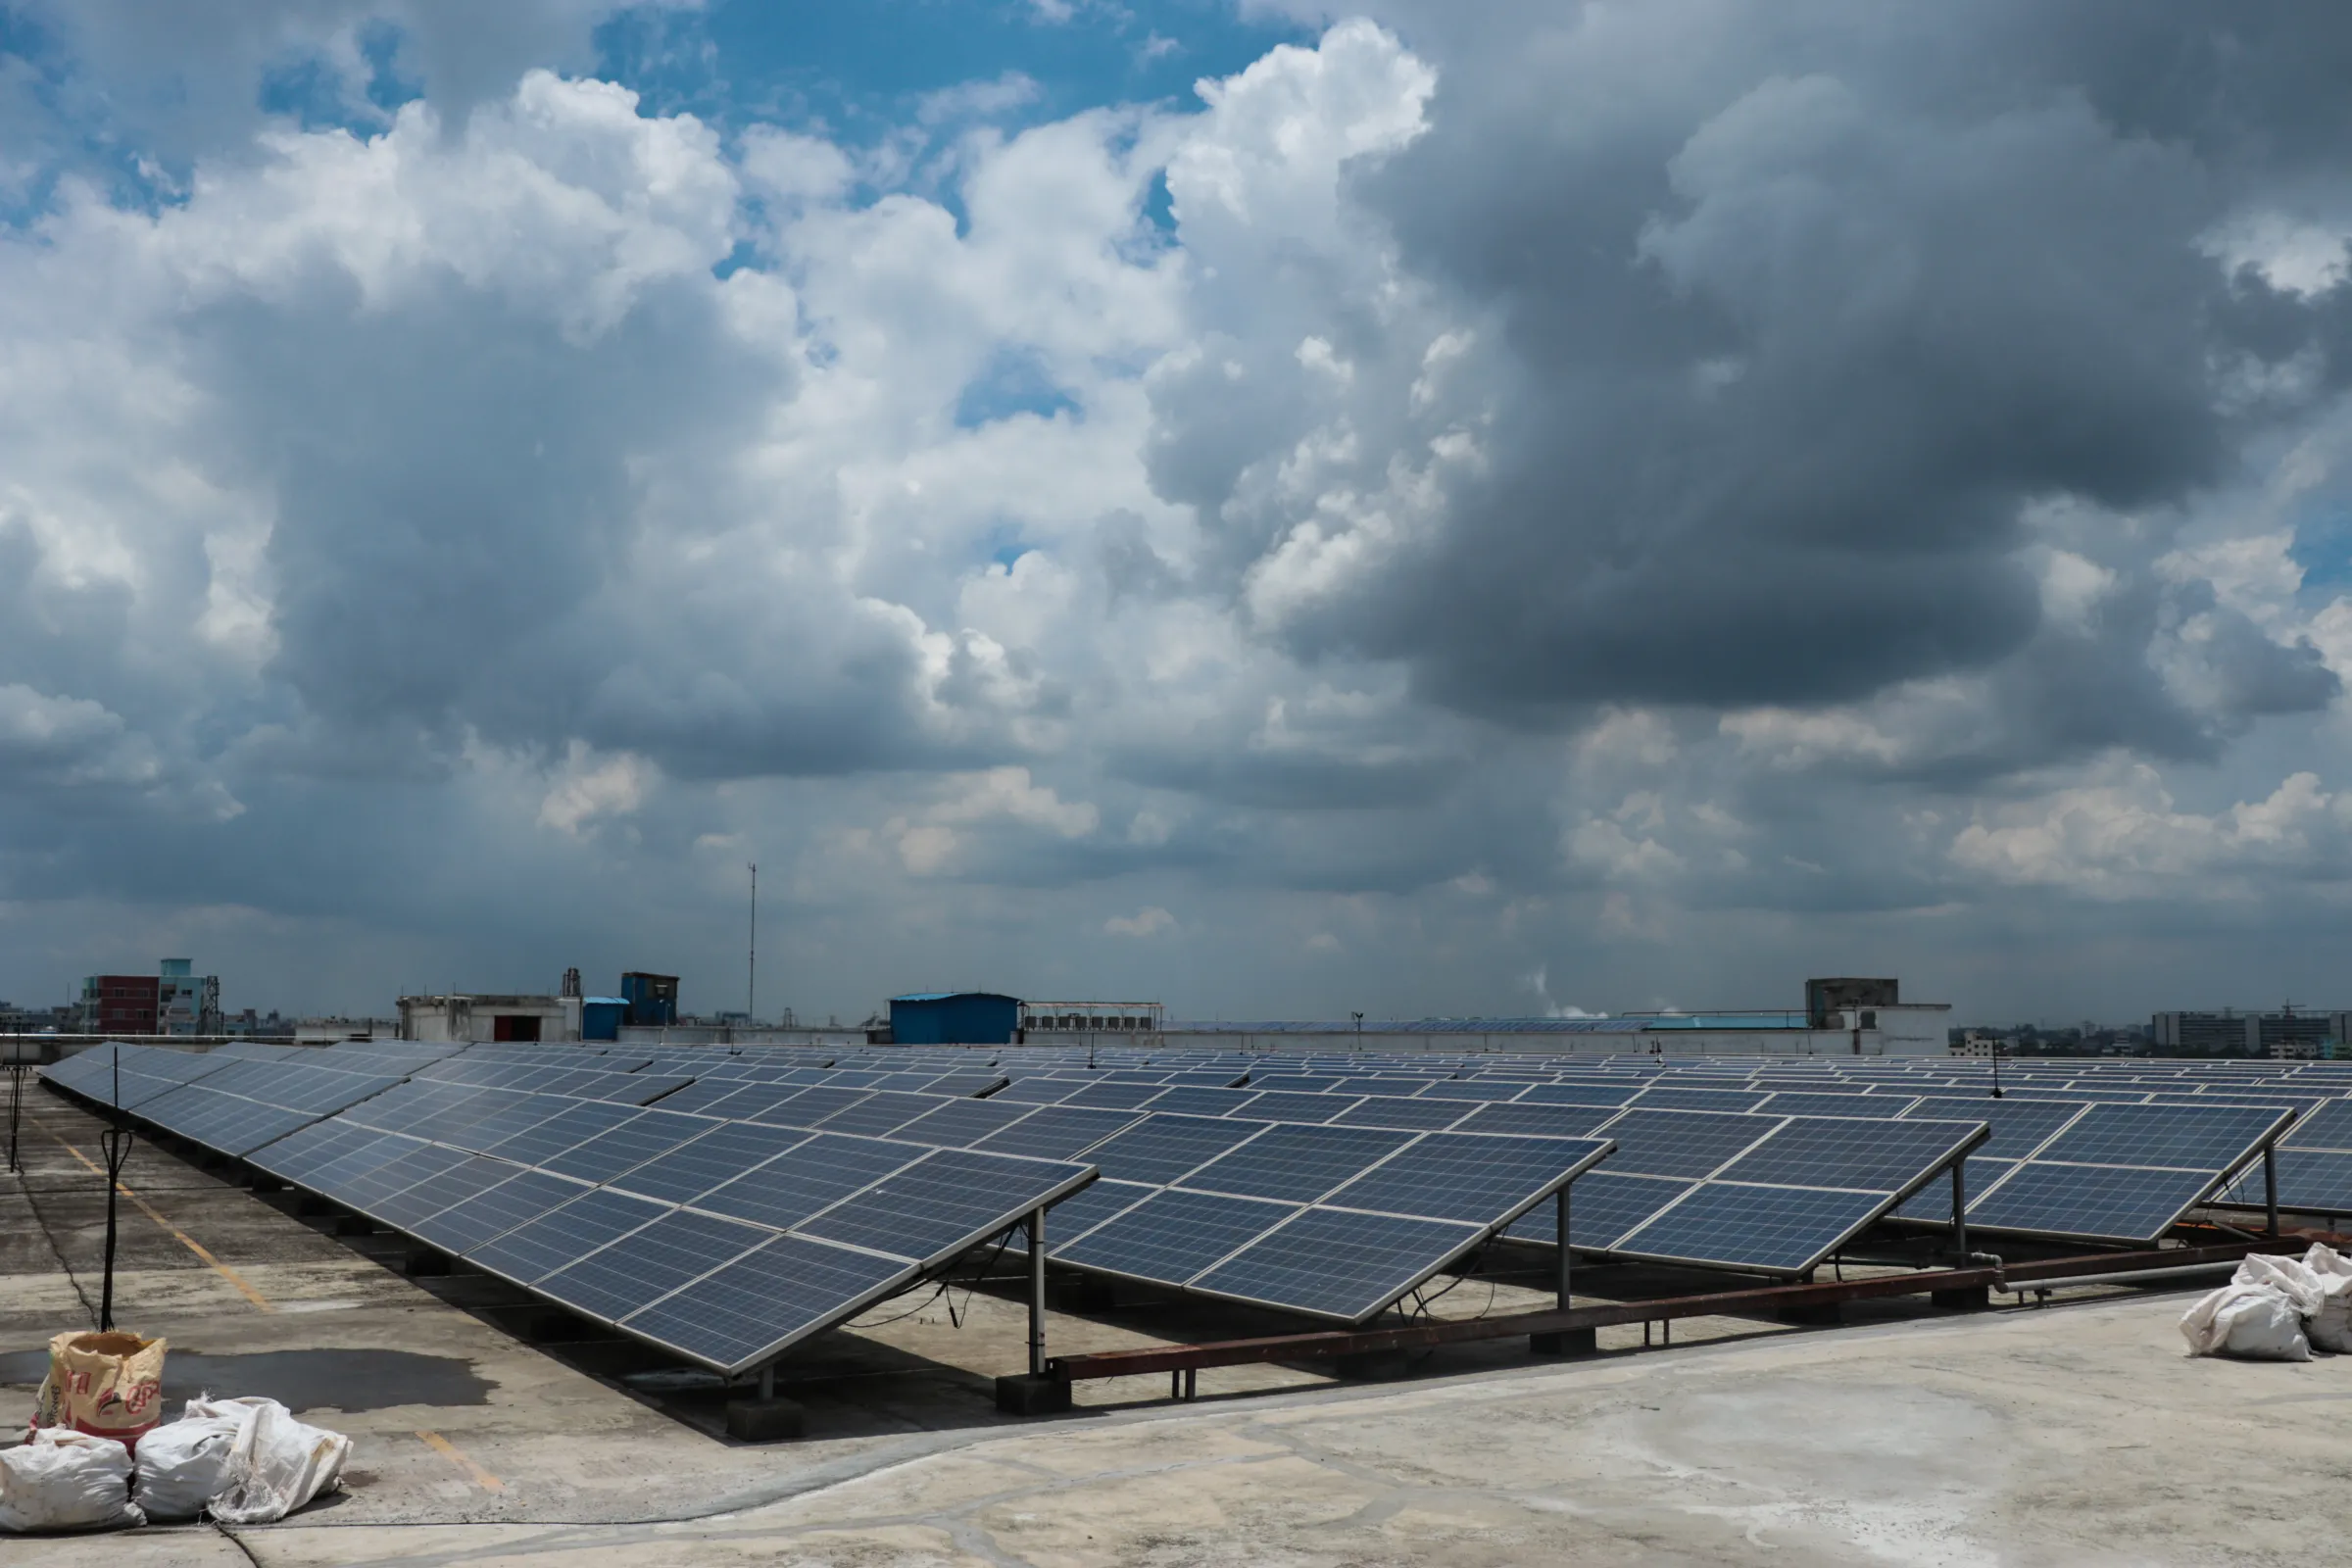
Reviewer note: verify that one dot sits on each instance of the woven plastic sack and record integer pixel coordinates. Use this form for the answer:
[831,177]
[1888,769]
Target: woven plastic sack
[108,1385]
[2252,1322]
[276,1464]
[2330,1327]
[184,1464]
[64,1480]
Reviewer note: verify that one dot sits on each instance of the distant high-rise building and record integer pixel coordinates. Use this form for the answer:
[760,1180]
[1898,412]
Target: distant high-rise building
[186,1003]
[118,1003]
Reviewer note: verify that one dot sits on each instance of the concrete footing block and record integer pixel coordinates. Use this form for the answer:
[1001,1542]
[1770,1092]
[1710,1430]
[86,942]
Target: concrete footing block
[1824,1315]
[1024,1394]
[1973,1297]
[765,1420]
[424,1263]
[1568,1341]
[265,1183]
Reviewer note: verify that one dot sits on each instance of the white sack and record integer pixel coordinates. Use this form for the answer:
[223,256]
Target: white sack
[2330,1327]
[277,1463]
[2289,1276]
[2254,1322]
[184,1464]
[66,1480]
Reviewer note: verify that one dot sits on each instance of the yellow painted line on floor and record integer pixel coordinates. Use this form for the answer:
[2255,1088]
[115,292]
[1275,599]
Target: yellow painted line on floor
[243,1285]
[459,1457]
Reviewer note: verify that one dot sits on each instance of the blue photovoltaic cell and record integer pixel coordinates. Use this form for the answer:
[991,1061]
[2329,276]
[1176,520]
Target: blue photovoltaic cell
[1671,1098]
[1089,1206]
[1409,1116]
[1784,1228]
[691,1169]
[2161,1135]
[367,1189]
[880,1112]
[2100,1201]
[1843,1152]
[2019,1126]
[1196,1102]
[492,1117]
[928,1210]
[648,1264]
[581,1121]
[1057,1132]
[808,1179]
[1822,1105]
[2311,1180]
[1933,1202]
[537,1249]
[747,1309]
[2329,1127]
[1279,1105]
[1039,1091]
[1161,1149]
[1467,1178]
[1116,1095]
[1539,1122]
[1294,1164]
[1577,1095]
[961,1123]
[1344,1266]
[1678,1142]
[604,1156]
[1494,1089]
[810,1107]
[1601,1208]
[523,1195]
[1173,1235]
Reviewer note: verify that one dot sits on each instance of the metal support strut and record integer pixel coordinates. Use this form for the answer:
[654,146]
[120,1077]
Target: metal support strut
[1563,1238]
[115,1145]
[1037,1291]
[2269,1189]
[1960,1208]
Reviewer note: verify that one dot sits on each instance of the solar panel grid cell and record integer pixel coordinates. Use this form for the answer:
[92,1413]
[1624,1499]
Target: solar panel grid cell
[1334,1265]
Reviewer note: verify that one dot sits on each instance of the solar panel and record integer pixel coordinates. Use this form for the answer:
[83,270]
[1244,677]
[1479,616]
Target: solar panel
[688,1171]
[882,1112]
[1680,1143]
[538,1247]
[811,1105]
[1339,1266]
[1472,1179]
[2099,1203]
[1539,1121]
[1775,1229]
[808,1179]
[1602,1208]
[1089,1207]
[961,1123]
[745,1311]
[2176,1137]
[645,1265]
[1409,1115]
[1173,1235]
[929,1211]
[1161,1149]
[1884,1156]
[2019,1126]
[1294,1107]
[1295,1164]
[1057,1132]
[2311,1180]
[497,1209]
[575,1124]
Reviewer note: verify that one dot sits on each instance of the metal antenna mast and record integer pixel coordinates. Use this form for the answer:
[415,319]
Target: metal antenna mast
[751,997]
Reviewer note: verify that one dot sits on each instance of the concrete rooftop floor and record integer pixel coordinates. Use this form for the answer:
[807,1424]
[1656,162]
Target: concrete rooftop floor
[2074,1435]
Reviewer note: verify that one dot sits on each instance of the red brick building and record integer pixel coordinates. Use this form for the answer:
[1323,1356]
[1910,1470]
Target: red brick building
[120,1003]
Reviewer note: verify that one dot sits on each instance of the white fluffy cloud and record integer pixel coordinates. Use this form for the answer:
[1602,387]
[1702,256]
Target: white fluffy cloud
[1538,502]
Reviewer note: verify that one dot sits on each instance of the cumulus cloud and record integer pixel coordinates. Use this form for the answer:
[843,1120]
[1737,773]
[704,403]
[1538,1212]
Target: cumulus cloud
[1656,497]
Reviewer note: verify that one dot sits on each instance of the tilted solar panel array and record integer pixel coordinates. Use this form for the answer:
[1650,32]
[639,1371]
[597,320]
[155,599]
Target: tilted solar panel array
[1332,1222]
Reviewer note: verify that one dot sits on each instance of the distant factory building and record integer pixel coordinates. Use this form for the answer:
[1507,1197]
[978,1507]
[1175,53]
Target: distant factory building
[2289,1032]
[485,1017]
[954,1018]
[1046,1018]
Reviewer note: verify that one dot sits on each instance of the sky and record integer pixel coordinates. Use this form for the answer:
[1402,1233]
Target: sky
[1275,508]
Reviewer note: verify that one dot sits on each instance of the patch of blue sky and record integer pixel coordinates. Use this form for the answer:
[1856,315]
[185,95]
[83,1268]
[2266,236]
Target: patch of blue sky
[863,70]
[1012,383]
[309,89]
[2322,545]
